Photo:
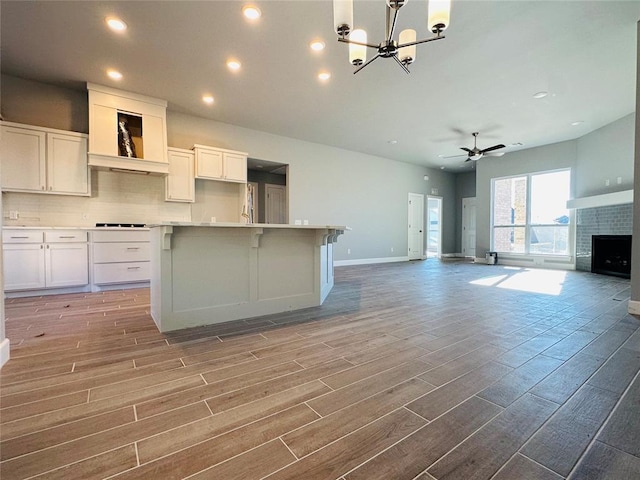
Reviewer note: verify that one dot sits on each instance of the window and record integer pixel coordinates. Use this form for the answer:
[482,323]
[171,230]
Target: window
[529,213]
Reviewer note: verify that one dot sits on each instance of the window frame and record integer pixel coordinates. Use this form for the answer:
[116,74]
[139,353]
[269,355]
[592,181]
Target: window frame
[528,225]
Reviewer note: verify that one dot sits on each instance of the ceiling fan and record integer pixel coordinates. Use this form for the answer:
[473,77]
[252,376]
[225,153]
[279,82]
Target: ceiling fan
[476,153]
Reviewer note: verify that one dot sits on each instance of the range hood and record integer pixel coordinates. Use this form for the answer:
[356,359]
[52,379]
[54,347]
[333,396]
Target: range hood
[126,164]
[127,132]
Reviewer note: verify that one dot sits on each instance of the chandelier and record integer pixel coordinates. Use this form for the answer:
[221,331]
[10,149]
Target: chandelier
[403,51]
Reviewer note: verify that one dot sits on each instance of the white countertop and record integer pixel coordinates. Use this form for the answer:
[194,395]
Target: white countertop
[247,225]
[23,227]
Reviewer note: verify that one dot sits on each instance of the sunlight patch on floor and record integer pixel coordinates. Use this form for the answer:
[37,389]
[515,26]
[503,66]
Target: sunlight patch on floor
[548,282]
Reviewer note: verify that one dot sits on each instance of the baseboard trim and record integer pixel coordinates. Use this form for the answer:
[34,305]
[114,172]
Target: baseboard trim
[634,307]
[4,352]
[369,261]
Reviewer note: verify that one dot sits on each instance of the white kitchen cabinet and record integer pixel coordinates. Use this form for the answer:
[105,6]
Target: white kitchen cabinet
[121,257]
[180,182]
[38,259]
[147,121]
[37,159]
[220,164]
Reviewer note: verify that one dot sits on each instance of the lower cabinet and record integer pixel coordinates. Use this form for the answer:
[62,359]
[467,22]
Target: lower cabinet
[121,257]
[36,259]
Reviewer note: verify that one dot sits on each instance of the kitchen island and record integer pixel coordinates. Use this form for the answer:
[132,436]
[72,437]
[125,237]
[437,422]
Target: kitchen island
[209,273]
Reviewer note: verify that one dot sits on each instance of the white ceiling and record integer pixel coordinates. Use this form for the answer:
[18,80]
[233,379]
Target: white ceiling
[481,77]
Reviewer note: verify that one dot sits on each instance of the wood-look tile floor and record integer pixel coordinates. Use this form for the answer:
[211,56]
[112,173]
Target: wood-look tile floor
[420,370]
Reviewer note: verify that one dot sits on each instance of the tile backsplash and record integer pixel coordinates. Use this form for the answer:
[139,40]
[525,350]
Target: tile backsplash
[115,197]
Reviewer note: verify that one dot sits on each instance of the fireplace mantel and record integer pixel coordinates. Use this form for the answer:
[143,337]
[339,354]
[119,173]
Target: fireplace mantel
[604,200]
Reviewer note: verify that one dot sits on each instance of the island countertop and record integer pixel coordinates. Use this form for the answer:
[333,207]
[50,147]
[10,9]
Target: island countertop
[247,225]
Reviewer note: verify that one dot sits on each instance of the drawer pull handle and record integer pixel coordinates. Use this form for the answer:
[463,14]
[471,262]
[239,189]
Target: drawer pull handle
[133,248]
[133,268]
[19,237]
[67,236]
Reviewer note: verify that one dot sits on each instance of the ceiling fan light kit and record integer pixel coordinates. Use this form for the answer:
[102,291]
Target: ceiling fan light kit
[403,51]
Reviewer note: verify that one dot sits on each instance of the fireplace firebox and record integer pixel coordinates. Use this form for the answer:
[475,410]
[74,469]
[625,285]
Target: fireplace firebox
[611,255]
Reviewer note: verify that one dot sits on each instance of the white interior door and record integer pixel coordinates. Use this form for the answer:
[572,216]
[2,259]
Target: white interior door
[416,226]
[275,203]
[469,227]
[434,226]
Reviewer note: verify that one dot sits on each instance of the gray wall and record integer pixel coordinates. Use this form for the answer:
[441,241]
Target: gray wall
[465,188]
[326,185]
[329,185]
[635,248]
[606,153]
[548,157]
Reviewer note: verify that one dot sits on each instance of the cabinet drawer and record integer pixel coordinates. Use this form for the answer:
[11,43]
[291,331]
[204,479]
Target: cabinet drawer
[121,252]
[22,236]
[121,236]
[65,236]
[104,273]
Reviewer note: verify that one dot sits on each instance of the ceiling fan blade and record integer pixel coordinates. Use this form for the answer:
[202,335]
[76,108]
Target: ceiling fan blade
[490,149]
[494,154]
[466,149]
[455,156]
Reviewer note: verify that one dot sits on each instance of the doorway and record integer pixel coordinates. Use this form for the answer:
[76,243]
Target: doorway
[275,208]
[416,226]
[434,227]
[469,227]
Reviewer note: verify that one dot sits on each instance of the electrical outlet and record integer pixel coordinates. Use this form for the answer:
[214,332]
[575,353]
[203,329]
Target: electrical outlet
[391,249]
[13,215]
[619,180]
[606,182]
[348,251]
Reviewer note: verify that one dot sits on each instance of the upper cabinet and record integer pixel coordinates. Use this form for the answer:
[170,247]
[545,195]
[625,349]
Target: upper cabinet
[180,183]
[44,160]
[219,164]
[127,131]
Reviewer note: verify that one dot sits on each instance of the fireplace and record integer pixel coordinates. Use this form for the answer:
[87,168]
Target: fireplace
[611,255]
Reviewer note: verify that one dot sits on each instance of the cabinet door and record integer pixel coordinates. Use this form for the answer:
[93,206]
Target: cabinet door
[23,159]
[67,264]
[23,266]
[153,134]
[235,167]
[209,164]
[103,125]
[67,164]
[180,183]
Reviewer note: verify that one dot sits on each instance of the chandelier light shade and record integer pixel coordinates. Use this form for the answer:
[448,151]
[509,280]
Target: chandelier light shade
[439,15]
[407,54]
[358,52]
[343,16]
[403,50]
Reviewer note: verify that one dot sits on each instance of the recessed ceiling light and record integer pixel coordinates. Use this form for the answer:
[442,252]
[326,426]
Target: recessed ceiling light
[317,45]
[579,122]
[234,64]
[116,24]
[441,168]
[324,76]
[540,94]
[392,142]
[114,74]
[208,99]
[251,12]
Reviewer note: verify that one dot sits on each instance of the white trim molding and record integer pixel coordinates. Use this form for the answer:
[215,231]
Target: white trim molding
[4,352]
[604,200]
[634,307]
